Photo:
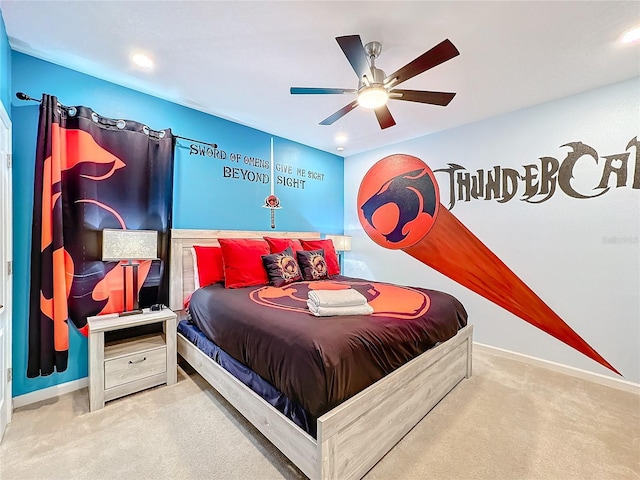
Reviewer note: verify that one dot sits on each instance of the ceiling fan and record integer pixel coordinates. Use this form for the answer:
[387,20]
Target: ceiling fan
[375,87]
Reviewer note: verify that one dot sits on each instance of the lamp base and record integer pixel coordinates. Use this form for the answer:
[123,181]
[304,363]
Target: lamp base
[134,274]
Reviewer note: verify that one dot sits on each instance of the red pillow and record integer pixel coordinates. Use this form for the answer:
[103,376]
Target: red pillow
[330,256]
[242,259]
[277,245]
[208,265]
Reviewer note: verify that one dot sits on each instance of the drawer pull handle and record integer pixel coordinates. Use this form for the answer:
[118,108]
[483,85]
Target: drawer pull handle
[137,361]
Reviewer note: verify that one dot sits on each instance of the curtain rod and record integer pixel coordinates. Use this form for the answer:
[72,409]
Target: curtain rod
[25,97]
[214,145]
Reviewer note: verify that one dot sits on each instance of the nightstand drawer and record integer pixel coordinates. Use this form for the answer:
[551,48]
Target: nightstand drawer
[128,368]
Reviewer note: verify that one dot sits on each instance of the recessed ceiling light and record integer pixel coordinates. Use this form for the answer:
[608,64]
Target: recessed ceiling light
[340,148]
[142,60]
[631,36]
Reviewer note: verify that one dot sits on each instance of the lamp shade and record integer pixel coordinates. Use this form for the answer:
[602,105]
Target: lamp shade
[341,243]
[129,244]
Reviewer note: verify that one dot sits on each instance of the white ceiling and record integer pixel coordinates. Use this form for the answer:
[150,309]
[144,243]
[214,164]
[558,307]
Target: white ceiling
[237,59]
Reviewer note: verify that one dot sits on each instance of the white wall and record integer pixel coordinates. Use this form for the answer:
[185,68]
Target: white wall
[581,256]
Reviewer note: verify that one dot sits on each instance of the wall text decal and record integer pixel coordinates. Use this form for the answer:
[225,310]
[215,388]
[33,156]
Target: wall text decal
[285,175]
[537,183]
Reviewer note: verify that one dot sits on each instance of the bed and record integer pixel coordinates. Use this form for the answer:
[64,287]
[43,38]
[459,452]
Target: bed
[354,435]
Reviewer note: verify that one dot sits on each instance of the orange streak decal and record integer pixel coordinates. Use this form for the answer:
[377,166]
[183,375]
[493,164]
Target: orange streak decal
[454,251]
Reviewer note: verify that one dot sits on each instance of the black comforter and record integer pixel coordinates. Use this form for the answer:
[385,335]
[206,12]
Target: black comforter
[321,361]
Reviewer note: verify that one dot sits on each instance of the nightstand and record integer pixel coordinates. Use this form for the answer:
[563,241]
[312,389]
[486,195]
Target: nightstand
[126,366]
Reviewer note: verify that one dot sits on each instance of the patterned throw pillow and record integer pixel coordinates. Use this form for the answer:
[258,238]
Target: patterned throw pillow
[330,255]
[313,264]
[282,268]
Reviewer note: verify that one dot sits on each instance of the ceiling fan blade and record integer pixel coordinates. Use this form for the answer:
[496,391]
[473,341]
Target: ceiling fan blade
[433,98]
[340,113]
[442,52]
[384,117]
[354,51]
[322,91]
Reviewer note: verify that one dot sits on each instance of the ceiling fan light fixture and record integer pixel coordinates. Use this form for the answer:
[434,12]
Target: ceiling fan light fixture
[372,97]
[388,82]
[375,87]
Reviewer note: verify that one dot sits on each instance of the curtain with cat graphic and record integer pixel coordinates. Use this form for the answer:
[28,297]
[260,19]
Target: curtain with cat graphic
[91,173]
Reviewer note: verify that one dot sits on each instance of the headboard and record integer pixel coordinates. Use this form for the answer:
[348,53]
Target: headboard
[181,281]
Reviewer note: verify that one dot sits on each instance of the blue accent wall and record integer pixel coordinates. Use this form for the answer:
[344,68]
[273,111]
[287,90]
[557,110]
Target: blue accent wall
[5,68]
[217,189]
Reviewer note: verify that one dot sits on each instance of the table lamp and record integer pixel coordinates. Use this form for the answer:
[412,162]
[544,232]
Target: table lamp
[342,243]
[120,245]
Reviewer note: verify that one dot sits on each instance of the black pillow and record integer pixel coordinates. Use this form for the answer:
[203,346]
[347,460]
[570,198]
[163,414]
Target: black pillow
[313,264]
[281,268]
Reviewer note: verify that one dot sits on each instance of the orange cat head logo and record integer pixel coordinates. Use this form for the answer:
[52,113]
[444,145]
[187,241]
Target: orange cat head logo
[398,201]
[385,299]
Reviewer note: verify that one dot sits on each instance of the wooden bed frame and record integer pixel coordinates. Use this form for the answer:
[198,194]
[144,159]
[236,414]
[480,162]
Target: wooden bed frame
[356,434]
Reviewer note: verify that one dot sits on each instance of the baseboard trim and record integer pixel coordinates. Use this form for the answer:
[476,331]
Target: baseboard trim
[616,383]
[50,392]
[625,385]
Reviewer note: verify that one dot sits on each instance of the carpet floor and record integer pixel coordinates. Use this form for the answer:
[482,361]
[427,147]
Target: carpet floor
[511,420]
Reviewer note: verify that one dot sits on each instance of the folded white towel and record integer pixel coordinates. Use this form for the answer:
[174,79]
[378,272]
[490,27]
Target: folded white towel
[365,309]
[337,298]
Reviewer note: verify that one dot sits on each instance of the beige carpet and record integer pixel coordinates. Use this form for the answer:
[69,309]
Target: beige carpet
[509,421]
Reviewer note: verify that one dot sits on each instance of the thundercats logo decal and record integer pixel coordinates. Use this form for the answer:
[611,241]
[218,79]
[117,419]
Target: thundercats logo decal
[398,207]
